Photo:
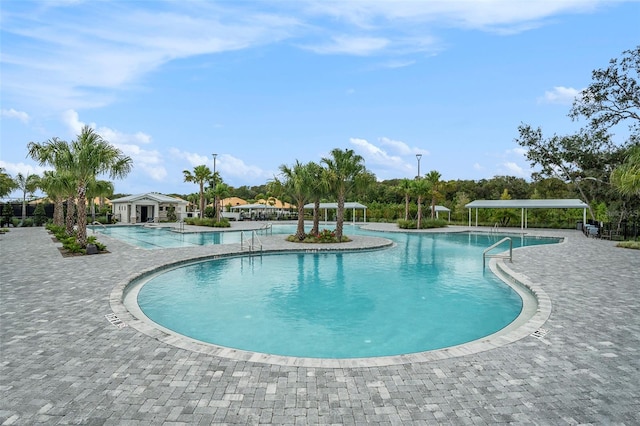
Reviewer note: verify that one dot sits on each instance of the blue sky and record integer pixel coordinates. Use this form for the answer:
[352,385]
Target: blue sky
[265,83]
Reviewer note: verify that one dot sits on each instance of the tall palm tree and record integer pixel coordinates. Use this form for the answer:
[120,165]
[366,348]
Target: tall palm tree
[296,181]
[58,187]
[405,188]
[85,158]
[101,189]
[220,192]
[200,175]
[318,189]
[420,188]
[344,169]
[28,185]
[433,177]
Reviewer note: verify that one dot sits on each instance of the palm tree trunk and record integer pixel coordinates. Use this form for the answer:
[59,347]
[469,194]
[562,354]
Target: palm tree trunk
[82,215]
[406,207]
[419,225]
[71,210]
[316,218]
[340,217]
[201,200]
[58,212]
[300,230]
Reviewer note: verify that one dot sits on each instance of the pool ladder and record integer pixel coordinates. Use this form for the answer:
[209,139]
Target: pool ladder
[502,256]
[94,223]
[253,243]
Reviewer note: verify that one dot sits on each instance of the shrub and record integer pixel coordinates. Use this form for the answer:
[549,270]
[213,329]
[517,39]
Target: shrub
[92,240]
[629,244]
[39,215]
[426,224]
[224,222]
[324,236]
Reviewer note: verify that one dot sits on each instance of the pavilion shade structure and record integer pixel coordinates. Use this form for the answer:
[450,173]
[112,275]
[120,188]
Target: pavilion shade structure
[524,205]
[334,206]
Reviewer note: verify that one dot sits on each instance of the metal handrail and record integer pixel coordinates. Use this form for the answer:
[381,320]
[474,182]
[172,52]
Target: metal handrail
[95,222]
[510,256]
[251,244]
[180,226]
[268,228]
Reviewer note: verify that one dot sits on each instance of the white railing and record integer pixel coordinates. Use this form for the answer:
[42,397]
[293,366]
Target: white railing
[94,223]
[267,228]
[253,243]
[503,256]
[179,226]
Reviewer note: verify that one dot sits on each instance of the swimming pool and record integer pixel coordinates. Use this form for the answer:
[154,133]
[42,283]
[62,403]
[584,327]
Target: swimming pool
[428,291]
[152,238]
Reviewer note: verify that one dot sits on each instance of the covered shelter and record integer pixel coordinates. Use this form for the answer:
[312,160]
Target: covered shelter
[149,207]
[250,209]
[524,205]
[334,206]
[442,209]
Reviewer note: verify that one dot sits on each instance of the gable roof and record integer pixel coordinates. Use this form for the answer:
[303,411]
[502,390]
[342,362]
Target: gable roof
[155,196]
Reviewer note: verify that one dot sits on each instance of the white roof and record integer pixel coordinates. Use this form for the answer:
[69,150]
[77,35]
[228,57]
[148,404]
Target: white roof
[154,196]
[528,204]
[347,205]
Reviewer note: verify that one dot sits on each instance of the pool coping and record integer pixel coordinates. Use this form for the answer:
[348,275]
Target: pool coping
[535,312]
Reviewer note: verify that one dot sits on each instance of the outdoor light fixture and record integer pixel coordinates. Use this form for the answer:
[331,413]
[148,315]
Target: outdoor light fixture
[418,156]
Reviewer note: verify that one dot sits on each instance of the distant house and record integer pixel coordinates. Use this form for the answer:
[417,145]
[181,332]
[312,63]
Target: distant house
[149,207]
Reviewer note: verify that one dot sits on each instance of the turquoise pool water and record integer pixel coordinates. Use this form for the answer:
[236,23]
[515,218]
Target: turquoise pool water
[426,292]
[158,238]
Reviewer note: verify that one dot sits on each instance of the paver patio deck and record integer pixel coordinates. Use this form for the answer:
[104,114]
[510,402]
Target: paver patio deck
[62,362]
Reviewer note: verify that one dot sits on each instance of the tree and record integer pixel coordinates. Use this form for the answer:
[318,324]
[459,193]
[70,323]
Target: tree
[85,158]
[344,170]
[570,158]
[433,177]
[296,181]
[7,214]
[405,188]
[200,175]
[420,188]
[58,186]
[7,184]
[27,185]
[614,94]
[220,192]
[318,189]
[626,177]
[101,189]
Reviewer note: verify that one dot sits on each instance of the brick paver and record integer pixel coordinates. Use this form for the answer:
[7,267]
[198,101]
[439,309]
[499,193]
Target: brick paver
[62,362]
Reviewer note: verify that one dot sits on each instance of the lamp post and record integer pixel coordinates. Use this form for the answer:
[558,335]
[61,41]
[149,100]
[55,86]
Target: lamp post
[418,157]
[215,197]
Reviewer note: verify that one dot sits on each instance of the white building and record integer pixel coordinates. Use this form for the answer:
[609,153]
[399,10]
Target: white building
[149,207]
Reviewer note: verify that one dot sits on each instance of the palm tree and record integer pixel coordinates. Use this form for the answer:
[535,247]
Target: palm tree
[28,185]
[58,187]
[101,189]
[626,177]
[7,184]
[200,175]
[405,188]
[84,159]
[296,182]
[420,188]
[433,177]
[344,169]
[317,190]
[220,192]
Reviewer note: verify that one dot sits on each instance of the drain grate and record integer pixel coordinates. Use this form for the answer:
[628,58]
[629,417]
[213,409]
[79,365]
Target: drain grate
[540,333]
[114,320]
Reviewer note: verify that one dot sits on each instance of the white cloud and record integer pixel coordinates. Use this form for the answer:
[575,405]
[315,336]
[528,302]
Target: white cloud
[149,161]
[560,95]
[478,167]
[401,147]
[514,169]
[228,166]
[12,113]
[387,165]
[360,46]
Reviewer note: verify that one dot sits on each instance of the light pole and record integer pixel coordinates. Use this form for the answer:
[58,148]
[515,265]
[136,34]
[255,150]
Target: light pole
[418,157]
[215,197]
